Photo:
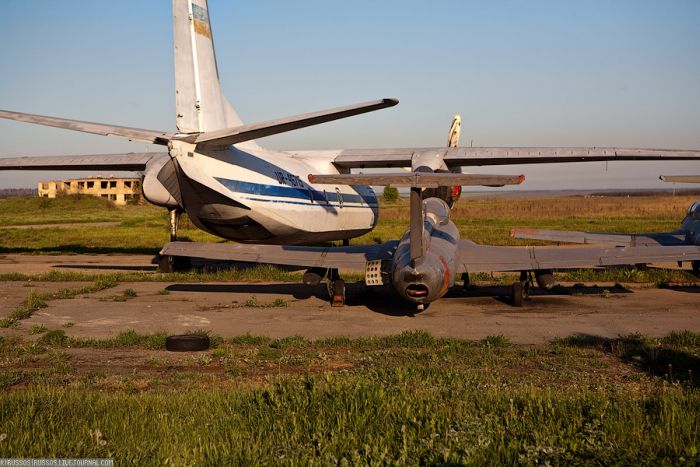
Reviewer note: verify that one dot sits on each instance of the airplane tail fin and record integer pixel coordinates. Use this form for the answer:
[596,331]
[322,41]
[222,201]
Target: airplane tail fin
[200,104]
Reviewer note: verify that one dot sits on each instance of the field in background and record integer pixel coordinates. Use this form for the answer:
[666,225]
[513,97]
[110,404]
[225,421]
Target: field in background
[144,228]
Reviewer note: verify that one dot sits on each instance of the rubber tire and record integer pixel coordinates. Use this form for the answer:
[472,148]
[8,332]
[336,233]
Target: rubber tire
[187,343]
[518,294]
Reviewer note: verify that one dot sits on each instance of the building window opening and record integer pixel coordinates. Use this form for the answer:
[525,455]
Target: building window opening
[81,185]
[127,184]
[103,185]
[90,184]
[113,184]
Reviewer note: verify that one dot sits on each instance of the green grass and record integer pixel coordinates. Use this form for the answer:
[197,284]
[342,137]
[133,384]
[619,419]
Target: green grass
[403,399]
[392,416]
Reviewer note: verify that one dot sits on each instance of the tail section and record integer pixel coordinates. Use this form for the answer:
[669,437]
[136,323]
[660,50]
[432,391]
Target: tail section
[200,104]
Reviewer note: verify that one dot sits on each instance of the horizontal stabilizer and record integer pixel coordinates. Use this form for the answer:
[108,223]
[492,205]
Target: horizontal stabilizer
[349,257]
[419,179]
[135,161]
[654,239]
[132,134]
[253,131]
[681,178]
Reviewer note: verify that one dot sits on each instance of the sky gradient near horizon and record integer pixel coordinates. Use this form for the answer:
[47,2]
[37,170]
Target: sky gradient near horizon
[539,73]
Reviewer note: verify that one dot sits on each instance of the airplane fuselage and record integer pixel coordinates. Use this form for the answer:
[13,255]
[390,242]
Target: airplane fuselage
[255,195]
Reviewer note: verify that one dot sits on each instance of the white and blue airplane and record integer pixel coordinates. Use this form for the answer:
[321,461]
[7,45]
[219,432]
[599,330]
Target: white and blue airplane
[274,202]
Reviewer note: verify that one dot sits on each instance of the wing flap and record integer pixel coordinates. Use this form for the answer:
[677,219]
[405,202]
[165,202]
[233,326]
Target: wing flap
[483,258]
[352,257]
[132,134]
[129,162]
[419,179]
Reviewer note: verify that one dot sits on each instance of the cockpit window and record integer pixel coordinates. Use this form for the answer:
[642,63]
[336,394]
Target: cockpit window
[694,210]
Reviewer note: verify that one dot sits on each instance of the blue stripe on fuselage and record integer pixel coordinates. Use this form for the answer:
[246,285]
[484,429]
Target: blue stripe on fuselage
[306,193]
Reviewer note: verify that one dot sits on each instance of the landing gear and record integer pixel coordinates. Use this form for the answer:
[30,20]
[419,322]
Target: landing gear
[174,223]
[521,289]
[465,278]
[518,294]
[336,288]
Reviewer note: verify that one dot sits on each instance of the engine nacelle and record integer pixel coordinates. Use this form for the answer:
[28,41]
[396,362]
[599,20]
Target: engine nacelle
[153,189]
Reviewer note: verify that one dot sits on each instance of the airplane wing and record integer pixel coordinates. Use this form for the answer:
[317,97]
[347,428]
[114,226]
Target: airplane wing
[132,134]
[463,156]
[484,258]
[135,161]
[651,239]
[348,257]
[216,138]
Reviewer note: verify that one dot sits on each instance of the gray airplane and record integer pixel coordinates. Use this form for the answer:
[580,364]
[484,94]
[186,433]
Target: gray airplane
[274,202]
[688,233]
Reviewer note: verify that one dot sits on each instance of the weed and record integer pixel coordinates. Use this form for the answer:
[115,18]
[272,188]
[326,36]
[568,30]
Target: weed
[38,329]
[56,337]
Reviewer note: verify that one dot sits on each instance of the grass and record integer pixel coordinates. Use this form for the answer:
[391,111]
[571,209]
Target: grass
[405,399]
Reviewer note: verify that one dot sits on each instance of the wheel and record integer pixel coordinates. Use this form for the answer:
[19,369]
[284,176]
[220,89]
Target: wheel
[518,294]
[338,295]
[166,264]
[187,343]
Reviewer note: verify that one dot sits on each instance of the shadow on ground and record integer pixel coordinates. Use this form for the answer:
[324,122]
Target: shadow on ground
[83,250]
[670,357]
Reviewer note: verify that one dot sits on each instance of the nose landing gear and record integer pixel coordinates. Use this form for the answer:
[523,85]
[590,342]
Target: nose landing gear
[336,289]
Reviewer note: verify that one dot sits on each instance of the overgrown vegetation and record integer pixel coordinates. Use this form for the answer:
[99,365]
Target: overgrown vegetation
[404,399]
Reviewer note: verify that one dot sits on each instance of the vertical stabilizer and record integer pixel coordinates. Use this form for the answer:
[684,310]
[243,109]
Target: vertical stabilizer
[200,105]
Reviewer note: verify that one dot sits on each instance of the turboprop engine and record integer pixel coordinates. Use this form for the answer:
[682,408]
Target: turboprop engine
[160,182]
[428,277]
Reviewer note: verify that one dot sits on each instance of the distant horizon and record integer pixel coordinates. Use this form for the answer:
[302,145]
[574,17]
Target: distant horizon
[542,73]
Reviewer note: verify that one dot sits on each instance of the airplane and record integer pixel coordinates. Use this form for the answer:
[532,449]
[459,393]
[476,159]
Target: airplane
[688,233]
[276,203]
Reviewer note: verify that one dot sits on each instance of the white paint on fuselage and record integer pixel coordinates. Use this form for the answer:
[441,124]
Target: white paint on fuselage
[275,186]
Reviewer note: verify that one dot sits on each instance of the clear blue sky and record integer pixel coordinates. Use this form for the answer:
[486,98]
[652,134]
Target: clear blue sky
[521,73]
